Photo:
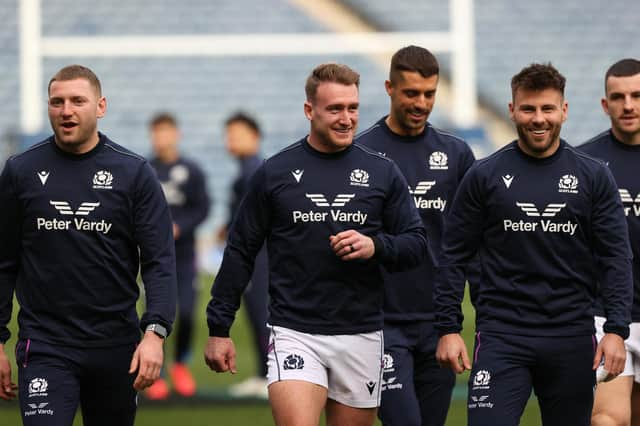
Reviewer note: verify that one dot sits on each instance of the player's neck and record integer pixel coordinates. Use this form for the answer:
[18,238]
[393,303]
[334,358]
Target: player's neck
[627,138]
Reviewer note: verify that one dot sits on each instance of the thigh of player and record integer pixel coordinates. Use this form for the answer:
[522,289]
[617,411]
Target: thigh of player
[500,380]
[107,393]
[49,388]
[399,403]
[564,380]
[433,384]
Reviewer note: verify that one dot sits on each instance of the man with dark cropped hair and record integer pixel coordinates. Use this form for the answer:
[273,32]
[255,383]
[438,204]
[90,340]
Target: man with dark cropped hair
[81,216]
[617,401]
[416,390]
[331,212]
[548,227]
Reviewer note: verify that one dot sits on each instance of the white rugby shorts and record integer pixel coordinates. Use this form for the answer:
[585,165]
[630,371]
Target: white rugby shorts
[632,345]
[349,366]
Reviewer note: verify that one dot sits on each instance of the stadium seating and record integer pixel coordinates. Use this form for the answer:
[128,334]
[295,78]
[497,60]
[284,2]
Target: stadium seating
[575,35]
[582,38]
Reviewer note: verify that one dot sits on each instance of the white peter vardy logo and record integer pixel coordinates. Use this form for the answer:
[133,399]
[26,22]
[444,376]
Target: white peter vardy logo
[550,211]
[64,208]
[102,180]
[422,187]
[422,203]
[297,174]
[43,175]
[546,225]
[78,223]
[320,200]
[626,198]
[337,215]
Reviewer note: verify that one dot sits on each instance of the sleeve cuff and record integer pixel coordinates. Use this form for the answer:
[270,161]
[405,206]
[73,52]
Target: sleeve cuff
[620,330]
[218,331]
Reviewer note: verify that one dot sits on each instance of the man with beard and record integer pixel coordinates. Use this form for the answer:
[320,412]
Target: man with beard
[617,402]
[416,390]
[548,226]
[81,215]
[331,212]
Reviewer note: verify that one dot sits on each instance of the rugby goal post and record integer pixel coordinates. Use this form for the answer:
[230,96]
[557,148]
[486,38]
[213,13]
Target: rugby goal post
[33,47]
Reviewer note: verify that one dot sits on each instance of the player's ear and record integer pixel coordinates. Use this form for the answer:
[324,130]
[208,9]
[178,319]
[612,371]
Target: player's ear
[565,110]
[101,108]
[605,105]
[308,110]
[388,86]
[511,111]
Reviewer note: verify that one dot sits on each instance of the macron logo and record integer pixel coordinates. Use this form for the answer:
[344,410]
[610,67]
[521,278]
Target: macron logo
[43,175]
[340,200]
[65,209]
[297,174]
[531,210]
[507,179]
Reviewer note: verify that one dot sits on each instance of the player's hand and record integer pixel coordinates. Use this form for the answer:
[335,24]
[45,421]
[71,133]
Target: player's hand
[452,353]
[176,231]
[147,360]
[350,245]
[220,354]
[611,346]
[7,387]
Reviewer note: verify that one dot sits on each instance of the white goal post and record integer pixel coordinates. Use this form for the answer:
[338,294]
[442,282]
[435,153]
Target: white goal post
[459,41]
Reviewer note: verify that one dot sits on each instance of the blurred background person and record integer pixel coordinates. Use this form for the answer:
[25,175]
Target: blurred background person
[183,183]
[242,138]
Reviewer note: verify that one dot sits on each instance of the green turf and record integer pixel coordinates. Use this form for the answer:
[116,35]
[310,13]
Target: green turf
[225,412]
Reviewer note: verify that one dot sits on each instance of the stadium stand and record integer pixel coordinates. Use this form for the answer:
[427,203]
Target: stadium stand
[200,91]
[581,38]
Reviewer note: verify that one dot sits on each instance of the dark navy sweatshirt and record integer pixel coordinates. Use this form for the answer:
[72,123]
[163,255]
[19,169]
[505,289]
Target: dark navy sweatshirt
[546,231]
[299,198]
[75,230]
[623,160]
[433,164]
[183,183]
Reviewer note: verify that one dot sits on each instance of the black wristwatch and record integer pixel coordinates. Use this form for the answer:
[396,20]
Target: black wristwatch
[158,329]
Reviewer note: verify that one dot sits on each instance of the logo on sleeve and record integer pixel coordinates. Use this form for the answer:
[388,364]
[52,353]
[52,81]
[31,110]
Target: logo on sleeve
[43,175]
[438,161]
[102,180]
[568,184]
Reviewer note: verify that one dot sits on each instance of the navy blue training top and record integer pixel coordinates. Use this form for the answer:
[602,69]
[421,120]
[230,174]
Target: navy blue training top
[546,230]
[297,199]
[75,230]
[433,164]
[624,162]
[183,183]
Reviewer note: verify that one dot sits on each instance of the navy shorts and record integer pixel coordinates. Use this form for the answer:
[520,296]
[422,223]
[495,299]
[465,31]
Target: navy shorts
[53,380]
[416,391]
[506,367]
